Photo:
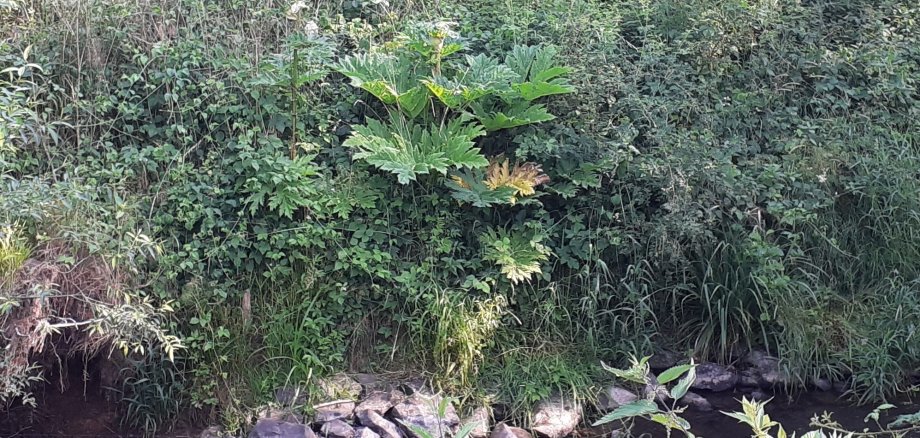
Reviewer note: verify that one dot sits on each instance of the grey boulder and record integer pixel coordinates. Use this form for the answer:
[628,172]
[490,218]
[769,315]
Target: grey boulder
[715,377]
[340,386]
[365,432]
[696,401]
[766,369]
[665,359]
[555,417]
[338,410]
[614,397]
[503,430]
[290,396]
[269,428]
[337,429]
[379,425]
[380,401]
[479,418]
[422,412]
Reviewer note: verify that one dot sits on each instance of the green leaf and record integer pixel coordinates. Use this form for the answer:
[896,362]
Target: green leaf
[672,373]
[550,73]
[469,188]
[381,90]
[413,102]
[408,150]
[514,116]
[680,390]
[388,78]
[636,373]
[483,76]
[536,90]
[671,421]
[635,409]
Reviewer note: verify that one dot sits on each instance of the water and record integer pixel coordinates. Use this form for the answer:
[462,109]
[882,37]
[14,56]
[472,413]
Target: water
[794,412]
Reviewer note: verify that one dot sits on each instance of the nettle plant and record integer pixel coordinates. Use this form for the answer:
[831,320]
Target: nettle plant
[441,104]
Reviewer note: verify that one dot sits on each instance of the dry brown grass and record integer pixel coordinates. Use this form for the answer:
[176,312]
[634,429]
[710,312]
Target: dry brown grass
[57,302]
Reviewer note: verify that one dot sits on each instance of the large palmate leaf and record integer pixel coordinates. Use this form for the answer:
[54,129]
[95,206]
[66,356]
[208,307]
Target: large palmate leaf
[536,90]
[388,78]
[469,188]
[522,177]
[501,183]
[409,150]
[519,114]
[538,76]
[480,77]
[519,254]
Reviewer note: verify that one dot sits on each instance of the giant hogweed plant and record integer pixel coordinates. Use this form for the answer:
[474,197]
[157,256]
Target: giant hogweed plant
[440,104]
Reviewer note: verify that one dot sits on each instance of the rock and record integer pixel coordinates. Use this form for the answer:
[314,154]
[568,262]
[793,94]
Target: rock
[665,359]
[340,386]
[365,432]
[214,432]
[766,368]
[337,410]
[290,396]
[758,395]
[269,428]
[696,401]
[822,384]
[381,401]
[715,377]
[615,397]
[379,425]
[502,430]
[555,417]
[371,383]
[337,429]
[279,414]
[749,378]
[480,417]
[413,385]
[422,411]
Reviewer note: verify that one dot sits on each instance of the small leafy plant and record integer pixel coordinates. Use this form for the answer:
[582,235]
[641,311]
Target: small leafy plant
[441,412]
[638,373]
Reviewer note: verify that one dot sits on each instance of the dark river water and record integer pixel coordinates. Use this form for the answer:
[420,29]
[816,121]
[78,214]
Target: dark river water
[794,412]
[82,412]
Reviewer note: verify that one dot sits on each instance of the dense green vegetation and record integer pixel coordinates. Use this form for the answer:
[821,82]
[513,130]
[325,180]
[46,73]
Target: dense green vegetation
[497,194]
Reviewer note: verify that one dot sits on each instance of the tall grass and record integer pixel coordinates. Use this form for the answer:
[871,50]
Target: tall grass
[14,251]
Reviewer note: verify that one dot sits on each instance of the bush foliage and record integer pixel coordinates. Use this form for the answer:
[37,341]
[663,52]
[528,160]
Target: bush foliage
[471,187]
